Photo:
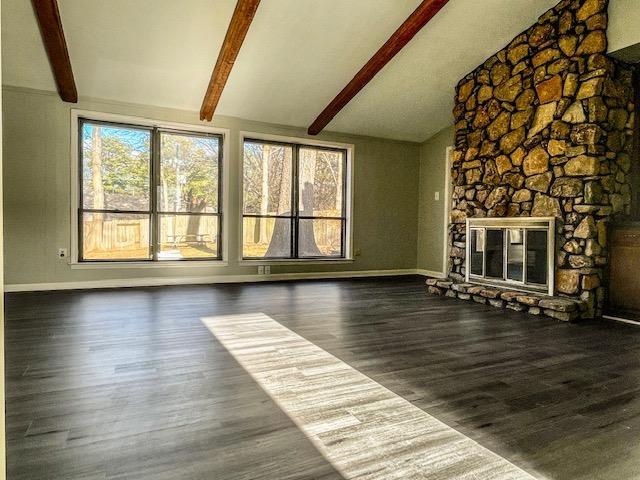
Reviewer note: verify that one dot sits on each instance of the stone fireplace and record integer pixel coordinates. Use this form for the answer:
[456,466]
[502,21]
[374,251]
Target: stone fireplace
[544,130]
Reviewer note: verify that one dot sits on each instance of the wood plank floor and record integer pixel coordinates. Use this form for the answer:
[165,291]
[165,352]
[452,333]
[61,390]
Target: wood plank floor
[130,383]
[366,431]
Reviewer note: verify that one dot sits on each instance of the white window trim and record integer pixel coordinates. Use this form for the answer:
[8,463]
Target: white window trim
[76,114]
[448,158]
[348,240]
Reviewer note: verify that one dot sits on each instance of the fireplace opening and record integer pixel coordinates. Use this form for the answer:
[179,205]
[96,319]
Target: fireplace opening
[515,252]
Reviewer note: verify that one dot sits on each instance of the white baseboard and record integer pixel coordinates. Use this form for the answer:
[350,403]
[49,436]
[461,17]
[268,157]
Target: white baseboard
[431,273]
[623,320]
[160,281]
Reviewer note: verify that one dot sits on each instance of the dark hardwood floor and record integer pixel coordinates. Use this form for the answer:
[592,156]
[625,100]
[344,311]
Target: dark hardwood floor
[129,383]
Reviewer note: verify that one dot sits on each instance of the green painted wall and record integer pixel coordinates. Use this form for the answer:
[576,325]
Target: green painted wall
[431,212]
[37,193]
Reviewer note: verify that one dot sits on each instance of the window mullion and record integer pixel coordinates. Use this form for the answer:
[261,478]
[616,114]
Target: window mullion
[295,227]
[155,182]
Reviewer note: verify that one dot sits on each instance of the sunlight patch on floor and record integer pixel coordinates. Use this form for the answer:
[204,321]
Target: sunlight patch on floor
[363,429]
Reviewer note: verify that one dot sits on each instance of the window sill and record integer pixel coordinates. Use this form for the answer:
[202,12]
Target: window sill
[295,261]
[166,264]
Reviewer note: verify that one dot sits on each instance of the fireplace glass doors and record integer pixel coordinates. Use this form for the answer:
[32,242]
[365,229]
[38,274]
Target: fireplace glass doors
[512,252]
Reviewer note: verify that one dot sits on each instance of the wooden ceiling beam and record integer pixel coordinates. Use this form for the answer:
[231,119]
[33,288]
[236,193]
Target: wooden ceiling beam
[403,35]
[240,22]
[55,44]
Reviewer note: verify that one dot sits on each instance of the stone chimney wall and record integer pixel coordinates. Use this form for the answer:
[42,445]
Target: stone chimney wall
[544,128]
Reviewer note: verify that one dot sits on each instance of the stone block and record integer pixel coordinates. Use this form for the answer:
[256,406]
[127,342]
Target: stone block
[500,126]
[570,85]
[509,90]
[530,300]
[541,34]
[586,228]
[503,164]
[590,8]
[461,287]
[525,99]
[490,293]
[543,118]
[540,182]
[523,195]
[518,307]
[500,72]
[567,281]
[545,56]
[566,22]
[496,196]
[435,291]
[597,22]
[580,261]
[545,206]
[513,179]
[496,303]
[550,90]
[568,44]
[509,296]
[517,53]
[594,42]
[465,90]
[563,316]
[471,164]
[590,88]
[558,304]
[556,147]
[575,114]
[537,161]
[582,166]
[567,187]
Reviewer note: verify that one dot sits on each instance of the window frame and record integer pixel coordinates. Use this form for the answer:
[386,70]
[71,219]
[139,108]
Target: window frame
[526,224]
[296,144]
[156,129]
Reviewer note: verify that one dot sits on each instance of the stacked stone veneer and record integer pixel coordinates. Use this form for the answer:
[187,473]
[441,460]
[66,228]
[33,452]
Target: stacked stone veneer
[559,308]
[544,128]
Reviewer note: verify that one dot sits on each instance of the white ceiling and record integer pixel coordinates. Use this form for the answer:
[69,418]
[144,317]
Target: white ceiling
[297,56]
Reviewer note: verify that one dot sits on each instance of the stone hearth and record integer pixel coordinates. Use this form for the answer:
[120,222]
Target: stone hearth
[544,128]
[564,309]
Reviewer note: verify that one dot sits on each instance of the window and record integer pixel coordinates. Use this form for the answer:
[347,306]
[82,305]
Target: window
[294,201]
[148,194]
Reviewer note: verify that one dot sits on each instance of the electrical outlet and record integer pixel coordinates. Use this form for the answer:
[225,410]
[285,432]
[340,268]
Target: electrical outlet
[436,196]
[62,253]
[260,270]
[267,269]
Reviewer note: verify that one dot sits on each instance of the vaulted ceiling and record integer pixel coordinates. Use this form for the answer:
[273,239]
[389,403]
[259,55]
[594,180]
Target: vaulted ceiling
[297,56]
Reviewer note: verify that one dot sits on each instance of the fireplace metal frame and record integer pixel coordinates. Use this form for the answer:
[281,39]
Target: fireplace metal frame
[547,224]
